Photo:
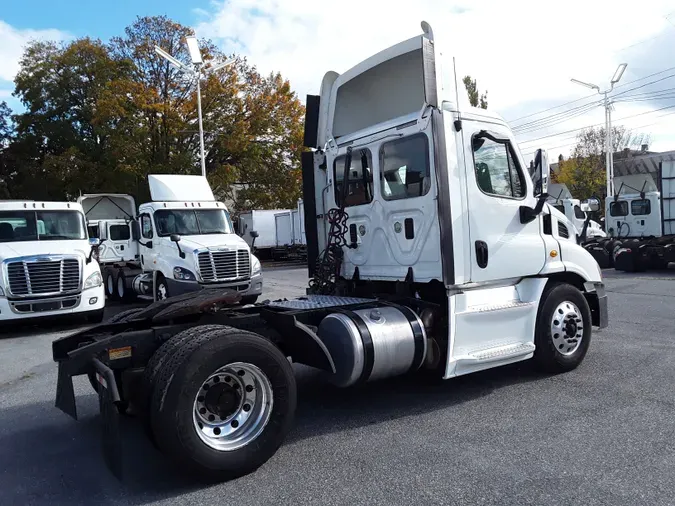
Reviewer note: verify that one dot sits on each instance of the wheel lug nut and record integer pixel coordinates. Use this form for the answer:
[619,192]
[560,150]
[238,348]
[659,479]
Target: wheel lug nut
[247,407]
[249,388]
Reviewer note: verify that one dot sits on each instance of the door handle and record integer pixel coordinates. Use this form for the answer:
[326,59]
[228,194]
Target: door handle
[481,254]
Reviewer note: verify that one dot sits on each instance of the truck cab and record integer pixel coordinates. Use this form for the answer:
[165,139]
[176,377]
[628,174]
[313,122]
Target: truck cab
[181,241]
[46,262]
[634,215]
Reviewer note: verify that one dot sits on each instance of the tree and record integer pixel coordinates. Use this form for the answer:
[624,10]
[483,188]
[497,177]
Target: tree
[475,99]
[585,172]
[6,131]
[102,116]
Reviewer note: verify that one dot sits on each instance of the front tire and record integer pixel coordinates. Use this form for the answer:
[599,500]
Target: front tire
[563,329]
[221,408]
[161,288]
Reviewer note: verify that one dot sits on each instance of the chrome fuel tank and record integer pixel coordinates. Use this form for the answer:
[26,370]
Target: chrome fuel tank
[376,343]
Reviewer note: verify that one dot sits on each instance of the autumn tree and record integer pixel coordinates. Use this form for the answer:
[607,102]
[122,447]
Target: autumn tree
[585,172]
[475,98]
[102,116]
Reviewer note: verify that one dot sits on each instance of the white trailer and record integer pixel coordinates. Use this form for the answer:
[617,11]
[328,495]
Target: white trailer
[438,255]
[47,267]
[180,242]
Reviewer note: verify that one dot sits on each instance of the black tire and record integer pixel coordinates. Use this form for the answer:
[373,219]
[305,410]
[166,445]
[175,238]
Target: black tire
[547,354]
[250,299]
[95,316]
[161,287]
[109,282]
[179,382]
[124,315]
[163,353]
[124,293]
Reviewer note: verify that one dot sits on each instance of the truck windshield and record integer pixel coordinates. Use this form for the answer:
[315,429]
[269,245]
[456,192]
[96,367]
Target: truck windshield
[16,226]
[192,222]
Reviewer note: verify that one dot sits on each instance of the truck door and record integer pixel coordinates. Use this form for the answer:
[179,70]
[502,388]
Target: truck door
[147,249]
[497,186]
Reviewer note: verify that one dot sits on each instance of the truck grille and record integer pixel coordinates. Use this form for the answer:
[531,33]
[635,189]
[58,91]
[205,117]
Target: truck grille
[224,265]
[43,277]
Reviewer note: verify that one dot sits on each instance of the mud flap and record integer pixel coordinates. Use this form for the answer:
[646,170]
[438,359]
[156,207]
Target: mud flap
[65,395]
[111,441]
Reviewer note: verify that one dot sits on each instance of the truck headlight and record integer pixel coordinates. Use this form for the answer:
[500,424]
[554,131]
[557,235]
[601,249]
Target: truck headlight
[94,280]
[183,274]
[255,265]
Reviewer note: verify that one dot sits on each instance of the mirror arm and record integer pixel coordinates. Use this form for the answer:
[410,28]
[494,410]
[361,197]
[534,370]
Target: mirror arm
[181,253]
[528,214]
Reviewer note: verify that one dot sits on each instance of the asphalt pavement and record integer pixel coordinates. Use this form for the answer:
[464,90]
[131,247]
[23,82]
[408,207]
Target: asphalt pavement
[602,434]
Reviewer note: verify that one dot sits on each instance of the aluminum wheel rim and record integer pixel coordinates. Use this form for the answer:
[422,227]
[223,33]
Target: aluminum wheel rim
[233,406]
[567,328]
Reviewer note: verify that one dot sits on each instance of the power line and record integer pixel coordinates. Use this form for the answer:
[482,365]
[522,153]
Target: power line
[593,95]
[597,124]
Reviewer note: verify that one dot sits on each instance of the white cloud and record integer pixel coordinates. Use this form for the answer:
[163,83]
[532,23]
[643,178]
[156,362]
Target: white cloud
[13,42]
[524,52]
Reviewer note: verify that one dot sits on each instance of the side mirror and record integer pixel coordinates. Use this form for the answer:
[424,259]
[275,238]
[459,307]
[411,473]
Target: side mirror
[541,172]
[592,204]
[176,238]
[135,231]
[253,233]
[94,242]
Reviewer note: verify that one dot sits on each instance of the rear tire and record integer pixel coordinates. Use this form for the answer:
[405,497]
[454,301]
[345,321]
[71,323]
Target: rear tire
[125,315]
[124,293]
[266,383]
[155,363]
[110,283]
[563,329]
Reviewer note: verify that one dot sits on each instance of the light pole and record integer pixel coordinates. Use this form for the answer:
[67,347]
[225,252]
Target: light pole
[609,149]
[196,57]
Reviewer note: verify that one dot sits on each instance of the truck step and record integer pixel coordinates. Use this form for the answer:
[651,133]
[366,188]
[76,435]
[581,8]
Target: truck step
[484,308]
[498,353]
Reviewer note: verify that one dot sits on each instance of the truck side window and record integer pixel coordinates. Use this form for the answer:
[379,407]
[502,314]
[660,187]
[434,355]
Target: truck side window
[146,226]
[618,208]
[360,189]
[496,170]
[120,233]
[405,168]
[640,207]
[578,213]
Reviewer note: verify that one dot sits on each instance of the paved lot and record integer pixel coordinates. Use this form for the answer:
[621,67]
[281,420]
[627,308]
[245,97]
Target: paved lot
[602,434]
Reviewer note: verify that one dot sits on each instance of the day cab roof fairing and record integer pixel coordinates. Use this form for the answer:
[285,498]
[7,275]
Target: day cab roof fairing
[397,82]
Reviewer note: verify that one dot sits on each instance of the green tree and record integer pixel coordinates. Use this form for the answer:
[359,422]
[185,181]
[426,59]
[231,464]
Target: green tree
[585,171]
[6,131]
[475,98]
[102,116]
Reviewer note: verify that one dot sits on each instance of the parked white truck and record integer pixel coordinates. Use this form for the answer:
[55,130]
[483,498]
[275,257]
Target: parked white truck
[562,200]
[437,256]
[180,242]
[46,264]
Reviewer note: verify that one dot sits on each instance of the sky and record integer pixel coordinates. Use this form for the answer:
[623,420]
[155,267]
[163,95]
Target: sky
[523,52]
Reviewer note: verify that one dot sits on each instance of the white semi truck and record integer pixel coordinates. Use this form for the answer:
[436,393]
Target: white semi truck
[46,263]
[436,254]
[180,242]
[562,200]
[641,225]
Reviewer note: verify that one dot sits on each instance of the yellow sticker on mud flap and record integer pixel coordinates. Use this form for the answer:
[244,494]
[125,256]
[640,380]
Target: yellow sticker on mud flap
[118,353]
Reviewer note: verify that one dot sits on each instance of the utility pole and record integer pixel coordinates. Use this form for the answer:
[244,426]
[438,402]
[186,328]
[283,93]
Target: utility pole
[609,145]
[196,57]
